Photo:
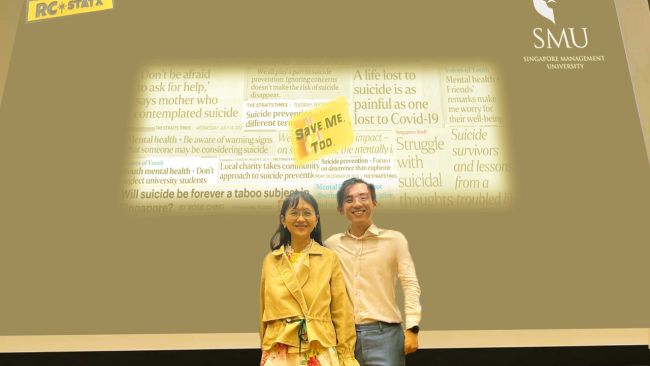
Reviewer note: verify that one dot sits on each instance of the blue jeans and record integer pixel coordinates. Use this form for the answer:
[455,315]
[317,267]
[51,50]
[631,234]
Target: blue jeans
[379,344]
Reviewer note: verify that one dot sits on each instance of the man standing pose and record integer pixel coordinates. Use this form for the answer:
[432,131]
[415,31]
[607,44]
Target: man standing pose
[372,260]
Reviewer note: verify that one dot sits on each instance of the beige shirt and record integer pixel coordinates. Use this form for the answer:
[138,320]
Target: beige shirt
[371,266]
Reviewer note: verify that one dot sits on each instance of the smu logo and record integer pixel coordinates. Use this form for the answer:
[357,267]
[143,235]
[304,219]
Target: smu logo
[557,38]
[545,8]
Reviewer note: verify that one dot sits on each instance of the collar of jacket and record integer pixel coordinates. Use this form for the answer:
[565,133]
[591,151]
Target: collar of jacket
[295,280]
[316,249]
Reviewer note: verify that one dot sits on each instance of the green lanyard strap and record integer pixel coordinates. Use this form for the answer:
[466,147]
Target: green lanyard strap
[302,332]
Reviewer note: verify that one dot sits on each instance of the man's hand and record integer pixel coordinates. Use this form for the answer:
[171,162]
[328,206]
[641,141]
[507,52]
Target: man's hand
[410,342]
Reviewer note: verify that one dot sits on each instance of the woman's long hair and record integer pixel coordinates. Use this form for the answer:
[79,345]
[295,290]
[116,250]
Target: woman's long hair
[282,236]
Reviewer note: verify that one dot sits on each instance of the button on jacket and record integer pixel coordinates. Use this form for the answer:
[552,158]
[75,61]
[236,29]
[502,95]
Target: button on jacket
[315,292]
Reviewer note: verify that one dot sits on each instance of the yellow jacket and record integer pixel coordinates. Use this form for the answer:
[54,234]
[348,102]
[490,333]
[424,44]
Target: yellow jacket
[314,292]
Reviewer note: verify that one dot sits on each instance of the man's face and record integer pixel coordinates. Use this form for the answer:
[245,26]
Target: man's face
[358,205]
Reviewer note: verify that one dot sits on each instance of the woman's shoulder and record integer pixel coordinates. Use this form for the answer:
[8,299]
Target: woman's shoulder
[270,255]
[326,252]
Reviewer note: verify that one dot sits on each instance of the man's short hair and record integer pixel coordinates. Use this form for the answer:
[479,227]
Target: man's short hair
[340,195]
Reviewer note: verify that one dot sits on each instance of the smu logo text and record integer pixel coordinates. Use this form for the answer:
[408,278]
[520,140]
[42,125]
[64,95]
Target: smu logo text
[557,38]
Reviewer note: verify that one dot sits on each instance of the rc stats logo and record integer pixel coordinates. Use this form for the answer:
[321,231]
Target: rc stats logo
[566,37]
[47,9]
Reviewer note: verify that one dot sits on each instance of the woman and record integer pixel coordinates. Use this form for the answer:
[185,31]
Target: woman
[305,313]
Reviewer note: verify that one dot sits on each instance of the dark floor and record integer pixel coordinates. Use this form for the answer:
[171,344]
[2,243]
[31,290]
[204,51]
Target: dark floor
[543,356]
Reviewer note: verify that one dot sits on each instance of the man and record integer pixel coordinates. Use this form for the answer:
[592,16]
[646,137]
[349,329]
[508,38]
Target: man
[372,260]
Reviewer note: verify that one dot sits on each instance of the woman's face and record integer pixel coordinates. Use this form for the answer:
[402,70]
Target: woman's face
[300,220]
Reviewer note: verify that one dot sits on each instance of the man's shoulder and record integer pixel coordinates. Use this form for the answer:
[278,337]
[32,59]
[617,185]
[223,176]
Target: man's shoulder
[390,233]
[333,240]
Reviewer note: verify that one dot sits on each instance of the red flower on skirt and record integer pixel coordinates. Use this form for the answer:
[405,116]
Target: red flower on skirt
[265,356]
[313,361]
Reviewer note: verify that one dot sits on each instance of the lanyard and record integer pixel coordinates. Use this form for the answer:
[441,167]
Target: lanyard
[302,332]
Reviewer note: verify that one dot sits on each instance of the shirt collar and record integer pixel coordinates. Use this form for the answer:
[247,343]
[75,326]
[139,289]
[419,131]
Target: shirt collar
[372,230]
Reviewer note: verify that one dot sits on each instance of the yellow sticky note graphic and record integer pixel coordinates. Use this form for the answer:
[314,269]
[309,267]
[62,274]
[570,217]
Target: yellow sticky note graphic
[321,131]
[47,9]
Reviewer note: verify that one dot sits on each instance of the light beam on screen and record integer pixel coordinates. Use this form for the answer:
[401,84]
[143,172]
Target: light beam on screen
[214,138]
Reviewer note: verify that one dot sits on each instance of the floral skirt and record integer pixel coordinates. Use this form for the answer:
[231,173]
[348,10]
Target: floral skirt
[314,356]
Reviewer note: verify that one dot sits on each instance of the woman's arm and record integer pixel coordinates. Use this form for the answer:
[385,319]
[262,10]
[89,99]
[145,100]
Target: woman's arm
[342,317]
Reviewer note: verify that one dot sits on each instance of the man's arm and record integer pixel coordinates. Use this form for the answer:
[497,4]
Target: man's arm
[411,287]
